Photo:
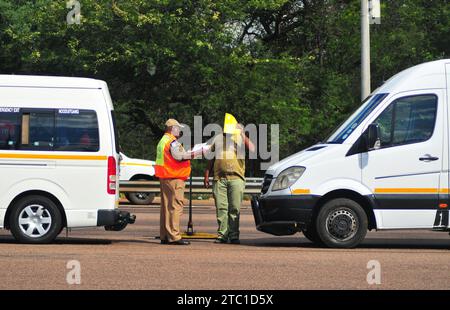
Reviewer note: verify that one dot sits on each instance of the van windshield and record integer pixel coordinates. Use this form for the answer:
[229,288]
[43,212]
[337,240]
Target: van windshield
[342,133]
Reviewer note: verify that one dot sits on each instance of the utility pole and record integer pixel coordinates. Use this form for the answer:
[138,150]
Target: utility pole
[370,14]
[365,50]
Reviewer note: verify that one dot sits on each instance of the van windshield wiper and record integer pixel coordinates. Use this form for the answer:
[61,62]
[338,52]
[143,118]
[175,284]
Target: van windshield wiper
[333,142]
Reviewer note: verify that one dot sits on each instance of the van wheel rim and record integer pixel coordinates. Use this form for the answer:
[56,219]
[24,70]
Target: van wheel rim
[342,224]
[35,221]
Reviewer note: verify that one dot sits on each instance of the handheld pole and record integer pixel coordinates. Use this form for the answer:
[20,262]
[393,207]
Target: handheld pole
[190,228]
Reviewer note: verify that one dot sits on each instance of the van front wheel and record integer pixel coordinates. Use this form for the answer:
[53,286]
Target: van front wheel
[341,223]
[35,219]
[311,234]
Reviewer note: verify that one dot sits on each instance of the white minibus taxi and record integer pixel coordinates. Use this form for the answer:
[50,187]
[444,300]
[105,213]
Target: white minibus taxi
[386,167]
[58,157]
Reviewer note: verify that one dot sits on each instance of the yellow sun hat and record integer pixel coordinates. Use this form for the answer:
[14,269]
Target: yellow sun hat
[230,125]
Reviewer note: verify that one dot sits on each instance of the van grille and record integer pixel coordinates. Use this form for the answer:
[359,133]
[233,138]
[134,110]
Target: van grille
[266,183]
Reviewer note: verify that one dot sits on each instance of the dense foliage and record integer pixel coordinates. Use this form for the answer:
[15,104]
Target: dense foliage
[293,63]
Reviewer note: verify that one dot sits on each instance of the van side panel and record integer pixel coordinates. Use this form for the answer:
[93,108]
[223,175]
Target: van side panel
[406,185]
[113,135]
[442,215]
[81,177]
[2,217]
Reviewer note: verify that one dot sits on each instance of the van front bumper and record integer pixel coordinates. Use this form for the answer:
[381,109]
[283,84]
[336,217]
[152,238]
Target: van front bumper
[114,220]
[283,215]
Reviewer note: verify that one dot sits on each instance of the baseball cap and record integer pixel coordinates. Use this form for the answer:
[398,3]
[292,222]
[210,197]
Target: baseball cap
[173,122]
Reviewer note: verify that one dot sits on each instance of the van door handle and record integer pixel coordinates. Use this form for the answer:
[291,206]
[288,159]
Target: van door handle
[428,157]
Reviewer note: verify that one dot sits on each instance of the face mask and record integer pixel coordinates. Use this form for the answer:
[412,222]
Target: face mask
[175,131]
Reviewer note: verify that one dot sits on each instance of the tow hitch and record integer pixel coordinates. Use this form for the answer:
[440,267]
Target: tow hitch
[121,221]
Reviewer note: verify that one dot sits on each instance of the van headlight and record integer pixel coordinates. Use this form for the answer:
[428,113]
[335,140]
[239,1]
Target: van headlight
[287,177]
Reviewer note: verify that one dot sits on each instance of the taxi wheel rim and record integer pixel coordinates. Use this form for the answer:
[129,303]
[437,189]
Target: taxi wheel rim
[35,221]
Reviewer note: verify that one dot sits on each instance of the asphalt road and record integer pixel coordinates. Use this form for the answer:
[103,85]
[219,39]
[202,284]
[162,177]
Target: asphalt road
[134,259]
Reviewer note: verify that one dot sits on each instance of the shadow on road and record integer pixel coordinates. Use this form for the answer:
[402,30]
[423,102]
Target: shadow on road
[58,241]
[78,241]
[412,244]
[374,243]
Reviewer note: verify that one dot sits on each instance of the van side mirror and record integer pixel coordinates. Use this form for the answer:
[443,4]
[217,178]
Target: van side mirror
[373,137]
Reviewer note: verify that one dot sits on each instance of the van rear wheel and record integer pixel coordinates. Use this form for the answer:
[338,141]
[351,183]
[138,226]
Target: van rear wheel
[341,223]
[35,219]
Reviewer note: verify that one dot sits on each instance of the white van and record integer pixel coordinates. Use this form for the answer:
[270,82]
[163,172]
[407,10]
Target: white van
[386,167]
[58,157]
[133,169]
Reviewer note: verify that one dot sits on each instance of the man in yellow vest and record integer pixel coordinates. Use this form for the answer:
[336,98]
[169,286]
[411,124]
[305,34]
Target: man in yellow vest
[173,169]
[228,167]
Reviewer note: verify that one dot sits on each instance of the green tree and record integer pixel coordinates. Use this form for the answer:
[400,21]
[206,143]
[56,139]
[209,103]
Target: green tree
[290,62]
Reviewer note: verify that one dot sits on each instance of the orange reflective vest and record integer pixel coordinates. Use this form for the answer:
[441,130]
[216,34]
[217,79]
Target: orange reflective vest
[166,166]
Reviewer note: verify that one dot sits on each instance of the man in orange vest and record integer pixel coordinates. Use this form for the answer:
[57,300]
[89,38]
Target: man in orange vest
[173,169]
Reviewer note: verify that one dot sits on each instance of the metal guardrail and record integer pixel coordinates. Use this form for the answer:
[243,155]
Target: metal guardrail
[252,186]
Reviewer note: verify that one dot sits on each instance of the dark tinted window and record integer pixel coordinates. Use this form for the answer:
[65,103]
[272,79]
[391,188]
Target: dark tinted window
[408,120]
[76,130]
[384,121]
[9,128]
[41,130]
[49,129]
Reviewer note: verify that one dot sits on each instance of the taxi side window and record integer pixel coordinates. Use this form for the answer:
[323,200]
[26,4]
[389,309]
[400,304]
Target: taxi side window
[50,130]
[408,120]
[41,133]
[9,130]
[77,131]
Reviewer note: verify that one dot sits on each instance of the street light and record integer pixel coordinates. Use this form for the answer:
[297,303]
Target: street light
[374,12]
[370,14]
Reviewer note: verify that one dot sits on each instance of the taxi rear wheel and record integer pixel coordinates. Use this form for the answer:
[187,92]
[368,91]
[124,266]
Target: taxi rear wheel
[341,223]
[35,219]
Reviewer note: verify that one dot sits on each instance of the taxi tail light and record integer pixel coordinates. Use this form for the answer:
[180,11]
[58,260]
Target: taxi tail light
[112,176]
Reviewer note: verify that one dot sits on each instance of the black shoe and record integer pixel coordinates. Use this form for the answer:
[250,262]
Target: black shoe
[220,240]
[164,241]
[235,241]
[180,242]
